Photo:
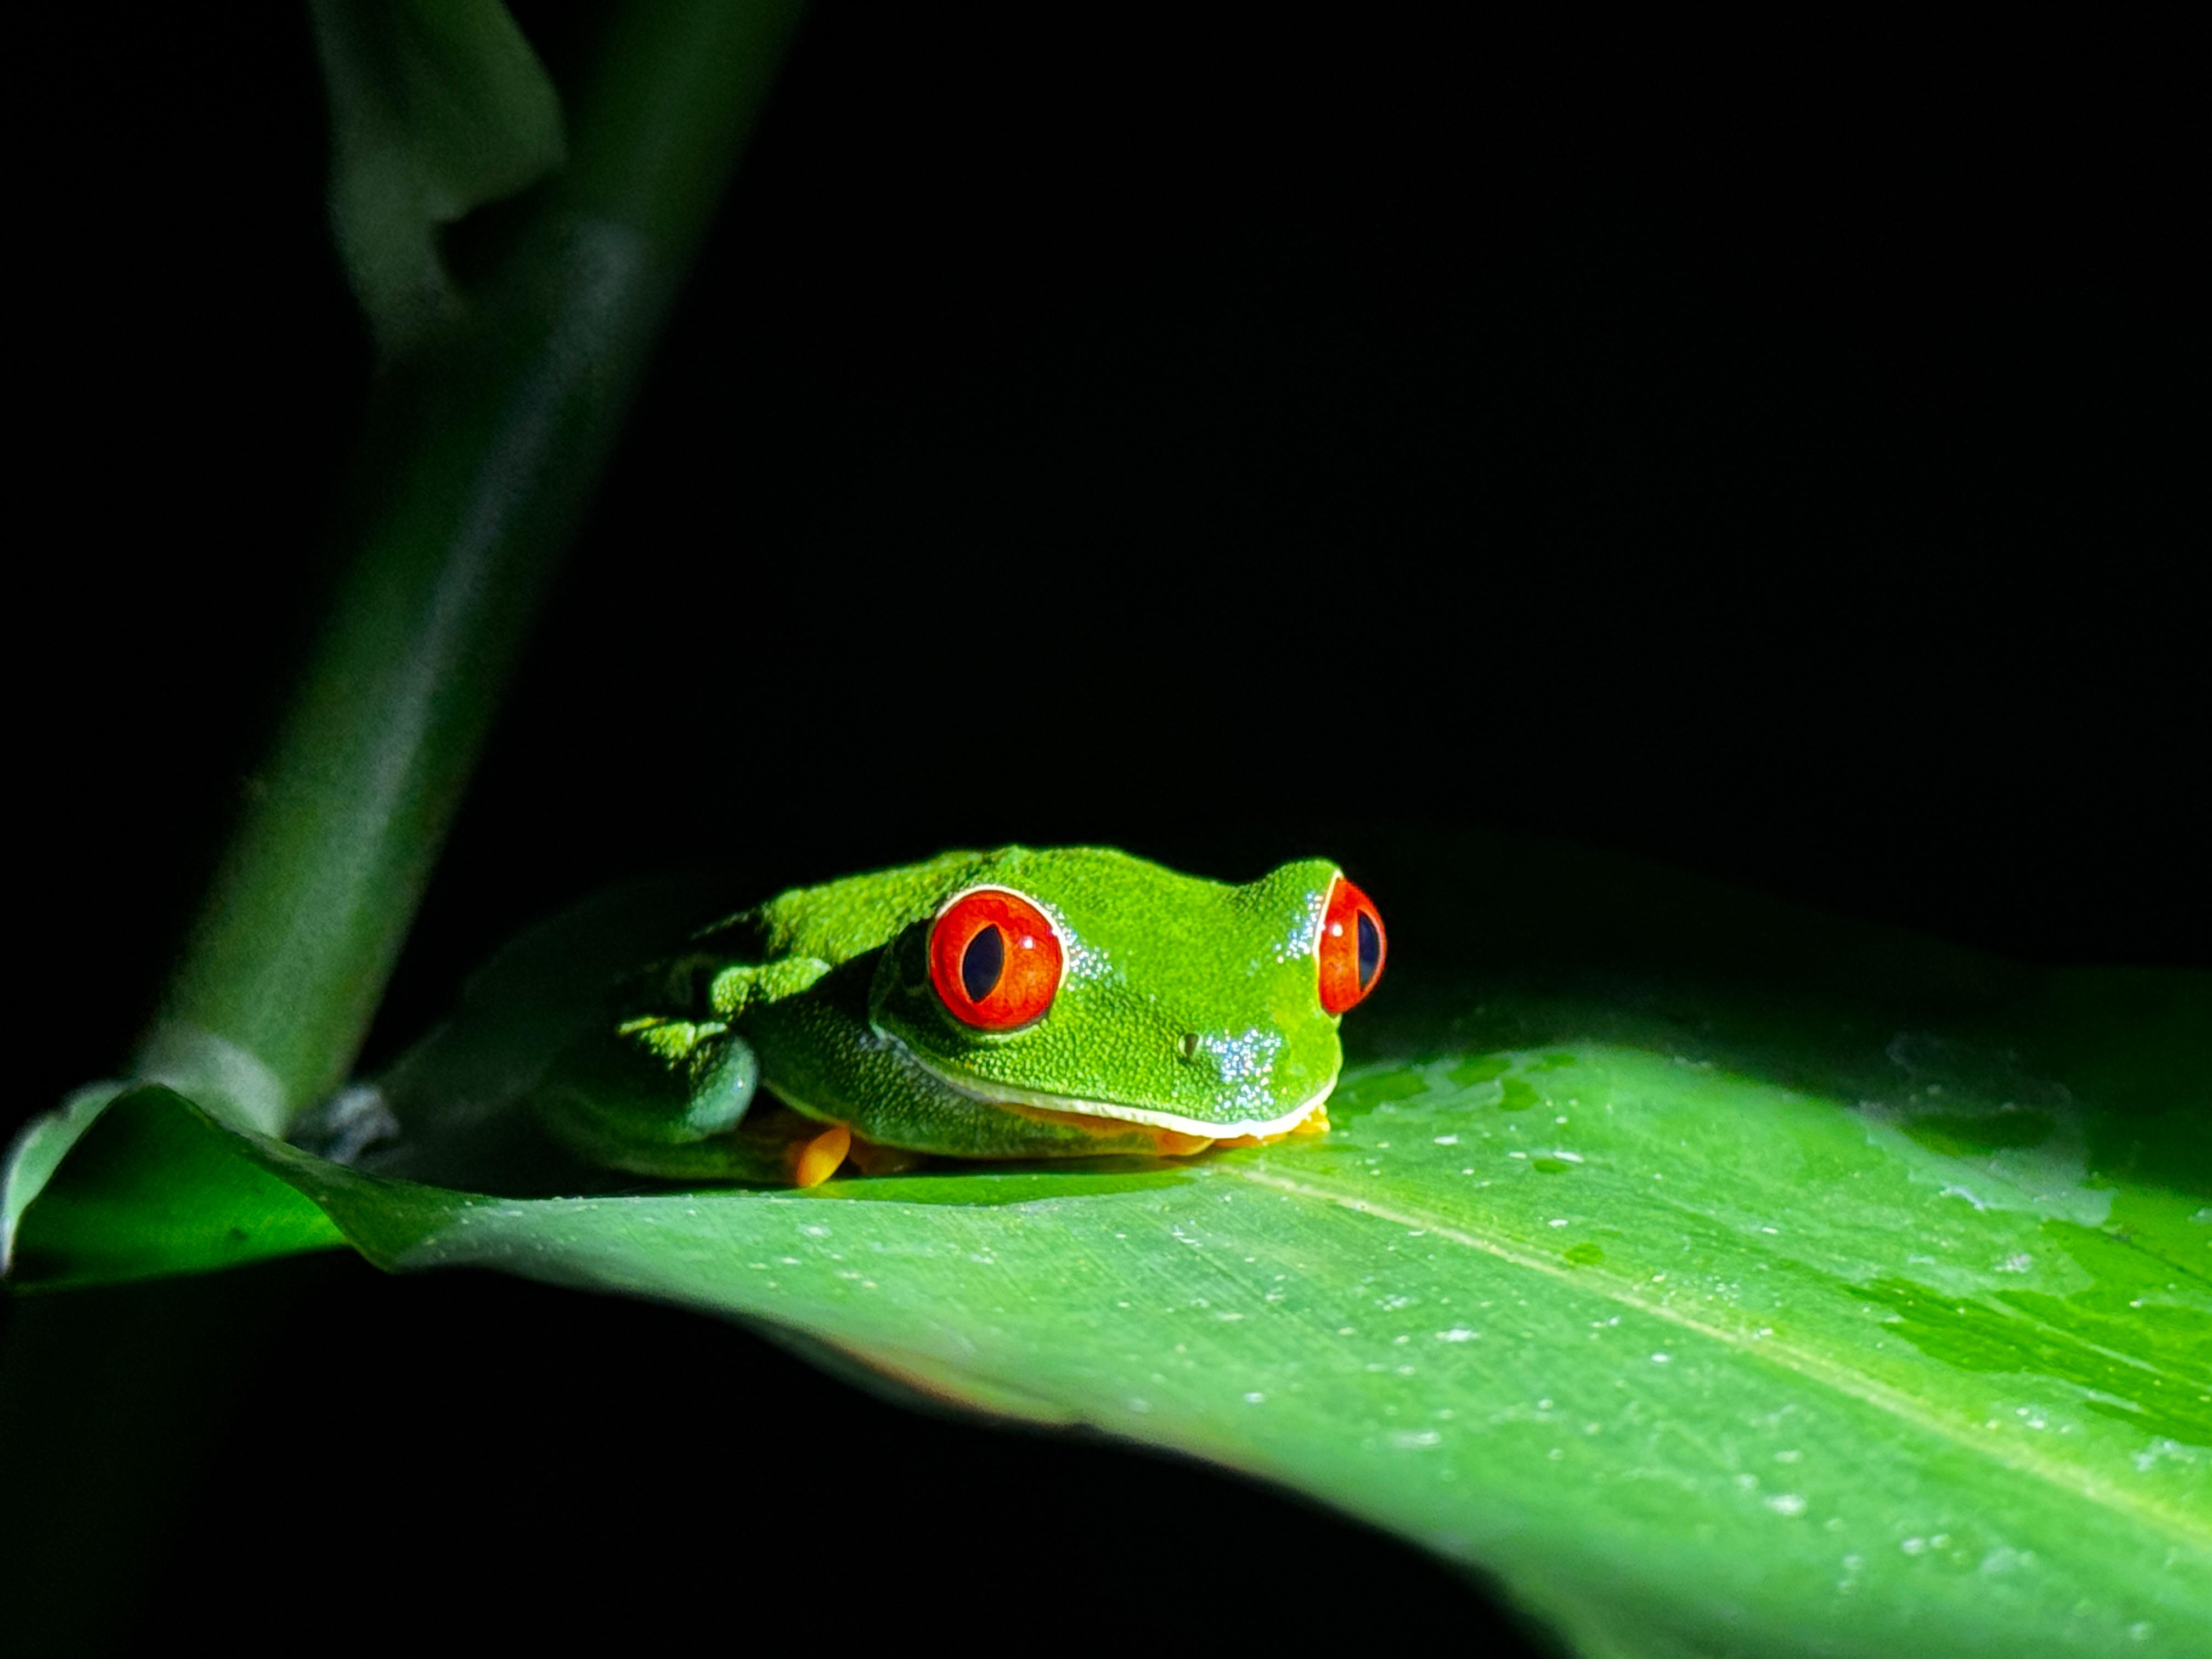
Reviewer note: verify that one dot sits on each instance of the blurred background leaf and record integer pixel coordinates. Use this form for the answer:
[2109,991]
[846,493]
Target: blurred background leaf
[436,109]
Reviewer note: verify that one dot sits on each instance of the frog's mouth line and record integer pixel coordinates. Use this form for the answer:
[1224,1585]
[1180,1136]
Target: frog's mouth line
[1004,1094]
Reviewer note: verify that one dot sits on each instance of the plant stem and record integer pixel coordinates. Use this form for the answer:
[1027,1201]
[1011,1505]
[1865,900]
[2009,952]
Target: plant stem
[480,451]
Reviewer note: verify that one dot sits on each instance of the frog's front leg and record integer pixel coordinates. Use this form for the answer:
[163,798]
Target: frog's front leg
[669,1097]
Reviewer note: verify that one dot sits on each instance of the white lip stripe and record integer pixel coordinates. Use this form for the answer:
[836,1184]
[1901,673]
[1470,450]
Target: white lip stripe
[994,1094]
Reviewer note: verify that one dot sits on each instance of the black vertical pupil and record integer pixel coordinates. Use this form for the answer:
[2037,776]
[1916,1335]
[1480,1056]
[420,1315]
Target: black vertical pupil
[1370,951]
[982,962]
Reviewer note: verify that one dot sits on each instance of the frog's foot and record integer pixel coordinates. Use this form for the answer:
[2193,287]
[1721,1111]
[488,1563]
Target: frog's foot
[871,1159]
[775,1145]
[810,1151]
[812,1160]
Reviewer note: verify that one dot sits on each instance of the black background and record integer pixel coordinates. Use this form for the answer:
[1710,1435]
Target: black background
[1775,453]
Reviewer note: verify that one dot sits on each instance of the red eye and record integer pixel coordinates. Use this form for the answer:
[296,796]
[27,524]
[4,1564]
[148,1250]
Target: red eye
[1352,947]
[994,959]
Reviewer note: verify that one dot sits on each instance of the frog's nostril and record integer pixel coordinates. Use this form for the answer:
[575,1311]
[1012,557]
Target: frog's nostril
[1186,1045]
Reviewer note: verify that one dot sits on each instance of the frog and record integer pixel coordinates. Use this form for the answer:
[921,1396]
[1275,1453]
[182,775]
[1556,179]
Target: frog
[1023,1004]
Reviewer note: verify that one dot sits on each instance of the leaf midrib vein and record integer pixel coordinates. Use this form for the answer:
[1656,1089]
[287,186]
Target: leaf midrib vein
[1775,1351]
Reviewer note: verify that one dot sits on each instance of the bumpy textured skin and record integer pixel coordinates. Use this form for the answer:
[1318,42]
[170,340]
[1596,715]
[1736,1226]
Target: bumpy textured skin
[1192,1001]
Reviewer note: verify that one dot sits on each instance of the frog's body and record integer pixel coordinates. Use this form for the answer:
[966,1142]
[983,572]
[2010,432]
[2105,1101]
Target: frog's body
[1164,1014]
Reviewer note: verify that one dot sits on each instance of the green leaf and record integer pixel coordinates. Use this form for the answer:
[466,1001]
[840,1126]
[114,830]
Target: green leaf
[1722,1279]
[151,1187]
[437,107]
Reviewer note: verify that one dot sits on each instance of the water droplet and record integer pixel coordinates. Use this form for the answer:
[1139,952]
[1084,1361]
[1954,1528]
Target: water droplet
[1786,1502]
[1254,1398]
[1661,1359]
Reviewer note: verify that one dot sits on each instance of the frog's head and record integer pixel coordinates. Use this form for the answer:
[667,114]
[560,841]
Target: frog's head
[1083,981]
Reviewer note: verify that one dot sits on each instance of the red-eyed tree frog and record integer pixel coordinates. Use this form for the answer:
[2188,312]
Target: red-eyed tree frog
[1020,1004]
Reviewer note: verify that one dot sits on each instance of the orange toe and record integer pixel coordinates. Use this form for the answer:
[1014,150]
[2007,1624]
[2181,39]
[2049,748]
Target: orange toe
[813,1161]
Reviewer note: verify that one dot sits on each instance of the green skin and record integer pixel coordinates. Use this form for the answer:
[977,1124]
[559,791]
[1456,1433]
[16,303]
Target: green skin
[1186,1005]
